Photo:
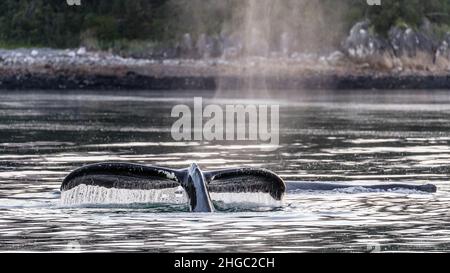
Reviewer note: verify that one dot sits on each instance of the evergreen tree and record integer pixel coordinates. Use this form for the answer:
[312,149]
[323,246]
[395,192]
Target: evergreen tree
[53,23]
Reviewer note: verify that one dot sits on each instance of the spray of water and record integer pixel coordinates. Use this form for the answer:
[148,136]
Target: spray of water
[94,195]
[265,27]
[85,195]
[262,38]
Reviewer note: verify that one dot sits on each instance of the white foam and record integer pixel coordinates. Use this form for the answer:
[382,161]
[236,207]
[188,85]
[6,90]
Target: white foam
[355,190]
[358,190]
[256,199]
[84,194]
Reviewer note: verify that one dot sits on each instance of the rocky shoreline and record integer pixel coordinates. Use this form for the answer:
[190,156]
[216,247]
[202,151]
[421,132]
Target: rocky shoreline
[139,82]
[364,62]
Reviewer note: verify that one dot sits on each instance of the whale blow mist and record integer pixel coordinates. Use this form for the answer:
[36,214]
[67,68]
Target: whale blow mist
[258,39]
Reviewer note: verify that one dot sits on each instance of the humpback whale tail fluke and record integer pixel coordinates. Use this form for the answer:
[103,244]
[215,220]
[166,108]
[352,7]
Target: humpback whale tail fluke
[122,176]
[246,180]
[196,183]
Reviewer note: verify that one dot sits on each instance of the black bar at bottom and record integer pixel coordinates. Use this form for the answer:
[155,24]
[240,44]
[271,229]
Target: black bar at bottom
[202,262]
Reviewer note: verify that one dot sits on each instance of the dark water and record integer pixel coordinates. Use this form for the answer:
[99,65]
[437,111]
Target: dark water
[364,137]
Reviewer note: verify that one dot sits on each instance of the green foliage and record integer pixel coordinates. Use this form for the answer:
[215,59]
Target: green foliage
[441,30]
[53,23]
[408,13]
[114,23]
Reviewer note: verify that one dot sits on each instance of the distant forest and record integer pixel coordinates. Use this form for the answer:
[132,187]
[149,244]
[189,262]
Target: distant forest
[103,23]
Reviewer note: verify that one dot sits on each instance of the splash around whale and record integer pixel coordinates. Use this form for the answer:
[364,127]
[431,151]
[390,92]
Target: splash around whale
[192,184]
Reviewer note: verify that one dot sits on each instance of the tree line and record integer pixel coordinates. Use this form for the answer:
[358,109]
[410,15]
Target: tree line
[53,23]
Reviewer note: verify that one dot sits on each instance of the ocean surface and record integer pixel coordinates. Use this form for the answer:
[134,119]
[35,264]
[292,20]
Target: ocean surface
[361,137]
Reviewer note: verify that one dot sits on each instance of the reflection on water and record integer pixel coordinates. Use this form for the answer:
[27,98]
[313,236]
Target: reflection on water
[358,137]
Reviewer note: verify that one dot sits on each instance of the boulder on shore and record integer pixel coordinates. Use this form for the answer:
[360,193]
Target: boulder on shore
[443,53]
[362,46]
[415,49]
[404,49]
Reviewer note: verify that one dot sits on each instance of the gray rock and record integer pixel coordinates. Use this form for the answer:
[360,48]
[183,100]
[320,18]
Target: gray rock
[209,47]
[363,46]
[415,49]
[443,53]
[405,47]
[408,42]
[186,47]
[216,47]
[232,46]
[444,48]
[202,46]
